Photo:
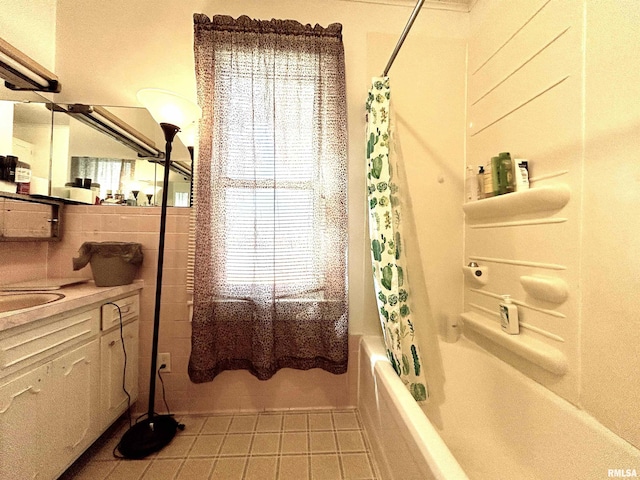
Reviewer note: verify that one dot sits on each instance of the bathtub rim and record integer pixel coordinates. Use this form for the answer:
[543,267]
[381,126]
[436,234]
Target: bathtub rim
[434,451]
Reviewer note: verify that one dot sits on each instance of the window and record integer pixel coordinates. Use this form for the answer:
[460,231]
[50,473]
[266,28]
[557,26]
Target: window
[111,173]
[269,284]
[271,182]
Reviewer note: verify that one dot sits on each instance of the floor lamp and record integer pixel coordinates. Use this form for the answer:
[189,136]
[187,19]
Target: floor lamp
[188,137]
[154,432]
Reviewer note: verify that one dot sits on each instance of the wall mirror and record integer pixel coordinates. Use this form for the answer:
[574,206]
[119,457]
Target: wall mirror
[62,150]
[86,158]
[25,132]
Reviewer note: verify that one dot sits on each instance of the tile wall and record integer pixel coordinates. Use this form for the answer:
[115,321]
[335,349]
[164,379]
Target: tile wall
[230,391]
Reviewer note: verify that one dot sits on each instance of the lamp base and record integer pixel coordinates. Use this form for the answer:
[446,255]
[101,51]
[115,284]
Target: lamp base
[148,436]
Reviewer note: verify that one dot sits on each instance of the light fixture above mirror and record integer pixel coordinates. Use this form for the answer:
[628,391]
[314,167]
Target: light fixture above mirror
[21,72]
[106,122]
[52,141]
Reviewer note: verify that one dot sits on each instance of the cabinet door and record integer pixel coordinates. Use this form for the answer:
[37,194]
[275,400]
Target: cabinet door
[23,403]
[113,397]
[75,386]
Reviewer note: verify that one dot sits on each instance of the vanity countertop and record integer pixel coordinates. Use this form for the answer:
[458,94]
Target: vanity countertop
[75,296]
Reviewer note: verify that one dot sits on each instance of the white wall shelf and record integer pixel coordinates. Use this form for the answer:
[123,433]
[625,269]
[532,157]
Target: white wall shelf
[549,289]
[535,351]
[539,199]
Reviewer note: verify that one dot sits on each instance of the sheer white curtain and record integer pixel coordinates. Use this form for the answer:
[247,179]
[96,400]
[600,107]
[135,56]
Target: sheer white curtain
[270,272]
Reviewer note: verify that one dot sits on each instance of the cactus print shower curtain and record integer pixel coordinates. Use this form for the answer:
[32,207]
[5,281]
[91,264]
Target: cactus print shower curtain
[389,268]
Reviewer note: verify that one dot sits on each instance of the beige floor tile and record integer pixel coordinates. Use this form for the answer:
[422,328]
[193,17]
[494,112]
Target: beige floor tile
[195,469]
[265,443]
[228,469]
[294,467]
[162,469]
[325,467]
[206,446]
[261,468]
[295,422]
[350,441]
[322,442]
[298,445]
[269,422]
[217,424]
[129,470]
[346,420]
[243,423]
[320,421]
[356,466]
[236,444]
[93,470]
[192,424]
[179,447]
[104,448]
[294,442]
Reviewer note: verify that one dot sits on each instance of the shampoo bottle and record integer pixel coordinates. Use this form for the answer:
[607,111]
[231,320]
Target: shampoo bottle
[488,181]
[506,180]
[481,182]
[509,316]
[495,175]
[471,184]
[23,177]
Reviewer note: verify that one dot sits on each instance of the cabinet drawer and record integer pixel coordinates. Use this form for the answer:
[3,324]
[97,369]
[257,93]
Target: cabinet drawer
[129,307]
[26,346]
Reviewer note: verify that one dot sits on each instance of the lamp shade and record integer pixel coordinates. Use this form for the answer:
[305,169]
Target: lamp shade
[167,107]
[188,134]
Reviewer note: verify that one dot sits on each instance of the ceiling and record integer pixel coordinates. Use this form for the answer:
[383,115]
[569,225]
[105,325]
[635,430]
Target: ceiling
[460,5]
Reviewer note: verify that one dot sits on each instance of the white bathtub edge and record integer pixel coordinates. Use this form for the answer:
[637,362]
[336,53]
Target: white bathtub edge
[436,454]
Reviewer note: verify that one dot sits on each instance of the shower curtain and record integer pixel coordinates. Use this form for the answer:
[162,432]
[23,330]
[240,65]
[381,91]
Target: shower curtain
[389,269]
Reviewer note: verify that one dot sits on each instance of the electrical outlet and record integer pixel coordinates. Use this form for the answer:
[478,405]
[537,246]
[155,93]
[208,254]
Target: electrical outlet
[164,359]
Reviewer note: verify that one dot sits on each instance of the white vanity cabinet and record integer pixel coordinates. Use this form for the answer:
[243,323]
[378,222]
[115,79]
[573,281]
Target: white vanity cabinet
[114,400]
[61,387]
[74,406]
[23,409]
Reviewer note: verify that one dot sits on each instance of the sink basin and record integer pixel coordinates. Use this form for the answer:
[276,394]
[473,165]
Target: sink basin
[18,301]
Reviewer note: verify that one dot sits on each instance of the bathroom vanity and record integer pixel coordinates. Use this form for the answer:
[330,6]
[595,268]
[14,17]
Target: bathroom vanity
[61,376]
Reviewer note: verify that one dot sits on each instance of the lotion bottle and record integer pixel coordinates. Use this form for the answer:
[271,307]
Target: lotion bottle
[509,316]
[522,174]
[472,184]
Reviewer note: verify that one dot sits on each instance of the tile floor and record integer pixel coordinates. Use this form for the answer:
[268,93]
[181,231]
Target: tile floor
[290,445]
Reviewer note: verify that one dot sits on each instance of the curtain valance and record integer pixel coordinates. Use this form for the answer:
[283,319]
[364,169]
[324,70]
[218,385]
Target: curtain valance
[247,24]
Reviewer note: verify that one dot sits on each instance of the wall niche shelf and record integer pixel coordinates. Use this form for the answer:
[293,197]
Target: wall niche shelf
[21,220]
[528,348]
[539,199]
[549,289]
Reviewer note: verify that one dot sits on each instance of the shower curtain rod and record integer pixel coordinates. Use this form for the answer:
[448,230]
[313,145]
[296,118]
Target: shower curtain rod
[405,32]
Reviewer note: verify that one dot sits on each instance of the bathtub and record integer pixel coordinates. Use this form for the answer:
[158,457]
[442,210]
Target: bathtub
[404,442]
[488,421]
